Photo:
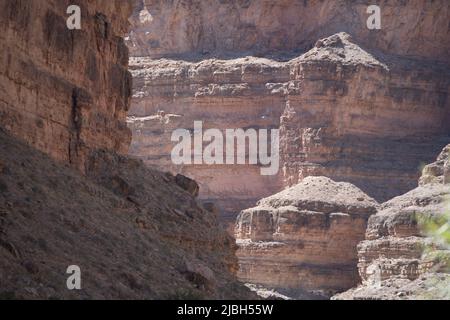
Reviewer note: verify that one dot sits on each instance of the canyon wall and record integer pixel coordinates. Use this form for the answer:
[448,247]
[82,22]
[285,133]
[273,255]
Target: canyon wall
[67,197]
[343,111]
[368,107]
[302,241]
[66,92]
[414,28]
[364,118]
[397,260]
[134,232]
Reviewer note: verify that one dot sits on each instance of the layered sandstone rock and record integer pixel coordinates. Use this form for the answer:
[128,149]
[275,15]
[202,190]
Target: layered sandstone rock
[409,28]
[397,260]
[169,95]
[344,112]
[66,92]
[302,241]
[134,232]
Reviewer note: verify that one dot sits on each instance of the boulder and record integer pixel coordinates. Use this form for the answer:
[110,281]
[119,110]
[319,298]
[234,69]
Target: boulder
[187,184]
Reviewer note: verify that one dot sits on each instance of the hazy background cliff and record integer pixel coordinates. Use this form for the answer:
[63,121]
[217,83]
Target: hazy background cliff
[365,106]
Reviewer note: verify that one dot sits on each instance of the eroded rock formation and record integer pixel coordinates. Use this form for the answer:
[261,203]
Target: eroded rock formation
[134,232]
[368,107]
[393,260]
[302,241]
[343,112]
[66,92]
[409,28]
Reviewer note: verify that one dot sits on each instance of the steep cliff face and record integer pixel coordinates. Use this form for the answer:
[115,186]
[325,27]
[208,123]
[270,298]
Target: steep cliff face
[66,92]
[134,232]
[302,241]
[169,95]
[344,112]
[368,107]
[392,260]
[366,118]
[409,28]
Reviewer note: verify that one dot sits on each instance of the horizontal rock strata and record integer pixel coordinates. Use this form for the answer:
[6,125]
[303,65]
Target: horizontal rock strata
[303,240]
[397,260]
[343,112]
[134,232]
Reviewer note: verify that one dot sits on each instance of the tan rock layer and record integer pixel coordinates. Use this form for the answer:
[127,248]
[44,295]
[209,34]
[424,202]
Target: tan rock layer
[393,259]
[342,111]
[304,239]
[409,28]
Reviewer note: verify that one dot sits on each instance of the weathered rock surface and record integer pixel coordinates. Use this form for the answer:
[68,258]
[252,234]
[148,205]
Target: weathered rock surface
[393,263]
[429,286]
[368,107]
[302,241]
[409,28]
[343,112]
[134,233]
[66,92]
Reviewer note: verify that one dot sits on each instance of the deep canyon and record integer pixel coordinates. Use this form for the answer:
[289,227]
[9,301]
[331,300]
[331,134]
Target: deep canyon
[87,178]
[69,193]
[365,108]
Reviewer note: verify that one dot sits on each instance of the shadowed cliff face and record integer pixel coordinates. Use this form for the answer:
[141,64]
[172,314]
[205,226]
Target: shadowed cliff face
[66,195]
[352,104]
[66,92]
[133,232]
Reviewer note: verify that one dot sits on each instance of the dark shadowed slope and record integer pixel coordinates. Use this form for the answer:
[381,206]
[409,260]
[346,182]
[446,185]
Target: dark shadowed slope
[132,230]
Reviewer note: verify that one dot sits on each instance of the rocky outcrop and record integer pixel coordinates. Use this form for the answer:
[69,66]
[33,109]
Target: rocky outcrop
[302,241]
[397,260]
[66,92]
[134,232]
[343,111]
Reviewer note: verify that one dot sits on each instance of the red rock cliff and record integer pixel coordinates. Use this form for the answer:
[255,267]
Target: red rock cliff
[134,232]
[356,105]
[416,28]
[66,92]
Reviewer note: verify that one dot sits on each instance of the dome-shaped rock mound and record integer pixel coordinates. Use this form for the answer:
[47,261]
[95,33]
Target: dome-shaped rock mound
[302,241]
